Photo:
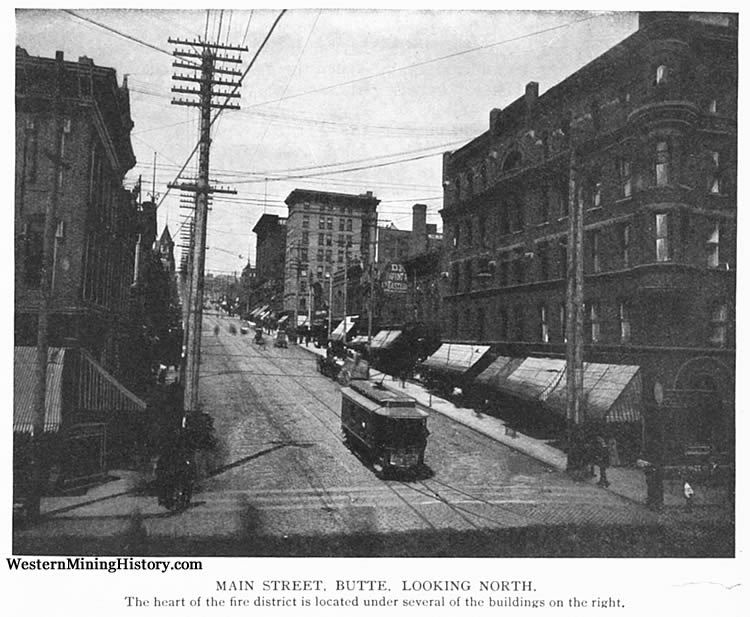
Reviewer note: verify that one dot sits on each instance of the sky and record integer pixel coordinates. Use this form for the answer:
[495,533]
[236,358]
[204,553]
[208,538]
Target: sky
[344,100]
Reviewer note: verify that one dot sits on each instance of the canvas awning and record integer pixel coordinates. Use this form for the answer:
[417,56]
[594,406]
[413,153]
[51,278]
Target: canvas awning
[611,392]
[497,372]
[301,320]
[384,339]
[24,384]
[358,340]
[282,320]
[339,334]
[95,389]
[455,357]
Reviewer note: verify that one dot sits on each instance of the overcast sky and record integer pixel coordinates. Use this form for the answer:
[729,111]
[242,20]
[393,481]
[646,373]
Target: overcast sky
[331,90]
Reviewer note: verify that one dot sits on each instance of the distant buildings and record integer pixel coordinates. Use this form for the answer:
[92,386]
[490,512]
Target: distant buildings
[326,232]
[270,251]
[653,122]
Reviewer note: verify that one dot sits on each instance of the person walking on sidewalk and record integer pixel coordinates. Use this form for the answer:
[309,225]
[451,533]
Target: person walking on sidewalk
[602,460]
[688,493]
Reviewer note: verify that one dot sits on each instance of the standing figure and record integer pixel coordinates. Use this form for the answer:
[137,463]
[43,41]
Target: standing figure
[602,460]
[688,493]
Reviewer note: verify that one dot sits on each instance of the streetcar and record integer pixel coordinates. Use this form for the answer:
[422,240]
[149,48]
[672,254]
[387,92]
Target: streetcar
[384,428]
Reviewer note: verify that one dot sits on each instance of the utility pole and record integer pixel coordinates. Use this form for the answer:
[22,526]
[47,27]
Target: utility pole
[575,411]
[42,345]
[211,57]
[372,259]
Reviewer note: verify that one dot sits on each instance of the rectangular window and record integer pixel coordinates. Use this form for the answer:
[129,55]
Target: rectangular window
[329,222]
[714,181]
[626,178]
[504,267]
[456,236]
[542,251]
[712,247]
[544,205]
[713,106]
[305,238]
[319,255]
[624,315]
[662,163]
[305,221]
[321,239]
[596,264]
[594,325]
[304,255]
[719,322]
[329,255]
[543,325]
[341,256]
[33,245]
[563,199]
[342,224]
[563,322]
[348,224]
[662,238]
[322,222]
[625,244]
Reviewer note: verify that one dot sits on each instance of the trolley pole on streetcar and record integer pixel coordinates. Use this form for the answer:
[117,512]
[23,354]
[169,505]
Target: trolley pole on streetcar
[208,75]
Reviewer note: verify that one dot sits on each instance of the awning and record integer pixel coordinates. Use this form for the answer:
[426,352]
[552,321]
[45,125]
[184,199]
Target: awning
[282,320]
[339,334]
[611,392]
[497,372]
[24,384]
[95,389]
[455,357]
[258,310]
[358,341]
[301,320]
[384,339]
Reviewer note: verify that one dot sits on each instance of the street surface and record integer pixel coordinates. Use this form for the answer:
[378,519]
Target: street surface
[282,466]
[281,482]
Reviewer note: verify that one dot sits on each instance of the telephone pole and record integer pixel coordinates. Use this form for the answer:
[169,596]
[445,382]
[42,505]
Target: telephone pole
[212,58]
[575,411]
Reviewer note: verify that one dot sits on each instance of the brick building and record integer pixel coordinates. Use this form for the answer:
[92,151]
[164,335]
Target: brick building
[270,252]
[325,232]
[97,219]
[653,122]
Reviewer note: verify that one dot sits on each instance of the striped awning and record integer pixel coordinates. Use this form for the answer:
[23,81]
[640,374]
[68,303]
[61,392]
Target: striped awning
[24,384]
[611,392]
[456,357]
[384,339]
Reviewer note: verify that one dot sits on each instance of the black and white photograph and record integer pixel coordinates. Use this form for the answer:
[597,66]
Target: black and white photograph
[391,309]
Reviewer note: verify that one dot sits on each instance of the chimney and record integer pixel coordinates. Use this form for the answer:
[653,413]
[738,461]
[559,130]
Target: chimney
[419,229]
[532,94]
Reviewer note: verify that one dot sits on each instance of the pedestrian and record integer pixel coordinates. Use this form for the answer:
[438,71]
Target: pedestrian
[216,330]
[689,493]
[602,460]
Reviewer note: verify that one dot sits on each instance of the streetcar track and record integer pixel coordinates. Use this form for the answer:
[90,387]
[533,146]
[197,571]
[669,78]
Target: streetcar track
[458,507]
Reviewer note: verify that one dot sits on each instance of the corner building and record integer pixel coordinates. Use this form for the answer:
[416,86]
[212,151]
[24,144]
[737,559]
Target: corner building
[653,124]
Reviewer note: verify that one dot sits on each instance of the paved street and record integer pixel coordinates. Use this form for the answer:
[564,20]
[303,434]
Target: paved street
[281,472]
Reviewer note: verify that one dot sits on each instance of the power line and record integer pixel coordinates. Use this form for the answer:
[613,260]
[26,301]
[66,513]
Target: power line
[426,62]
[118,32]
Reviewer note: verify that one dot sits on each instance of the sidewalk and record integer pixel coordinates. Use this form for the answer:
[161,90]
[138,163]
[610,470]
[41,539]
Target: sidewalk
[627,482]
